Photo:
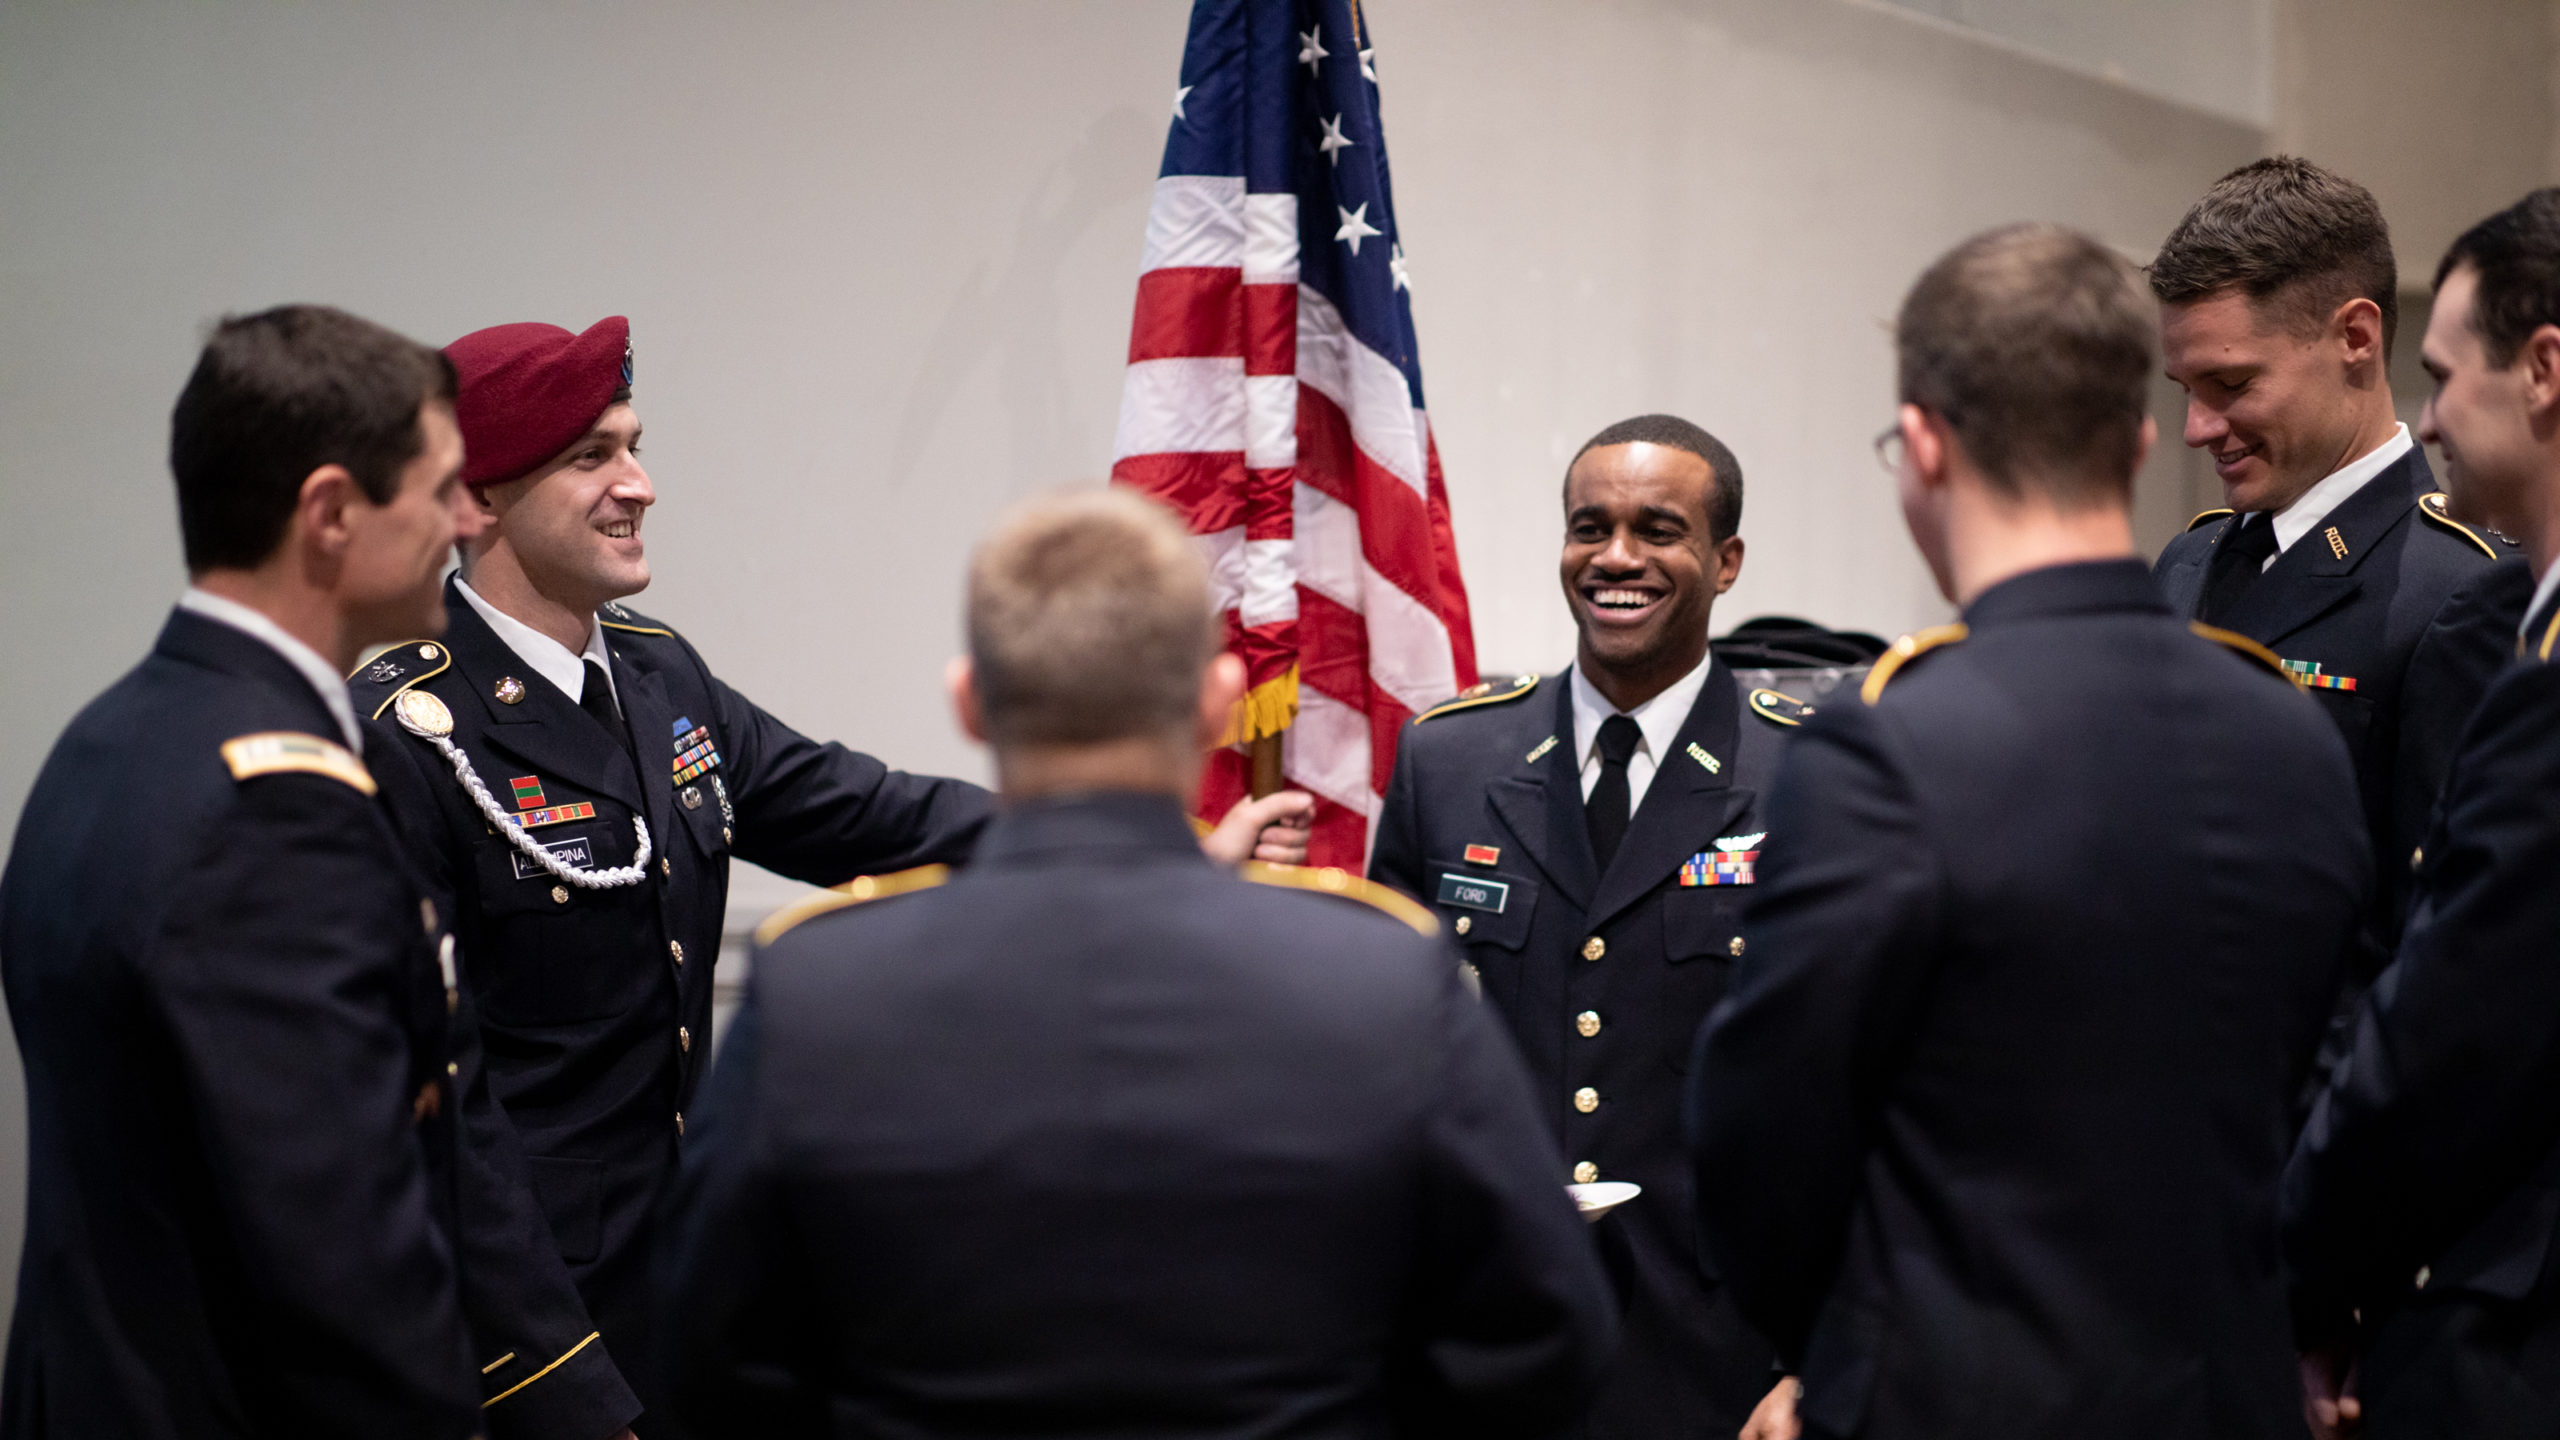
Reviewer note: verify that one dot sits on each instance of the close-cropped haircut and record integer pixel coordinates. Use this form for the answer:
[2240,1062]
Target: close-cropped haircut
[2515,257]
[1089,620]
[2035,345]
[2298,240]
[277,395]
[1724,501]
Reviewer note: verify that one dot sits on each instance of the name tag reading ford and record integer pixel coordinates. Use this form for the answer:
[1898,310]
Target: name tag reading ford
[1472,894]
[572,852]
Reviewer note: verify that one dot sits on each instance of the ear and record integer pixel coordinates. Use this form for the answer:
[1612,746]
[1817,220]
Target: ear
[2357,324]
[960,681]
[325,509]
[1927,447]
[2144,439]
[2538,366]
[1221,686]
[1728,562]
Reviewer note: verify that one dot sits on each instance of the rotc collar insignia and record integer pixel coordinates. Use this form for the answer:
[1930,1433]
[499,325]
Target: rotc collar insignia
[384,671]
[1543,747]
[2307,674]
[510,691]
[1484,854]
[1699,753]
[528,789]
[1732,861]
[695,754]
[422,714]
[2337,542]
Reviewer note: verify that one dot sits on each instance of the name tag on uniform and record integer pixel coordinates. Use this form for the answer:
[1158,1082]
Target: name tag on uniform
[1468,893]
[572,852]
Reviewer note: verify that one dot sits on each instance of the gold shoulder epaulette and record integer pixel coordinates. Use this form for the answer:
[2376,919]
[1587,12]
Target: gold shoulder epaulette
[397,667]
[290,752]
[1347,885]
[615,617]
[2242,644]
[2432,505]
[1481,693]
[2206,515]
[1779,709]
[1902,652]
[852,892]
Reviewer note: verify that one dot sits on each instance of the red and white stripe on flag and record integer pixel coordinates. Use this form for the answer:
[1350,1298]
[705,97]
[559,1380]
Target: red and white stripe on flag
[1296,454]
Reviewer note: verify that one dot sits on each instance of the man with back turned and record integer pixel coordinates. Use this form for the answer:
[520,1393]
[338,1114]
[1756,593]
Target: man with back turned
[1988,1131]
[1094,1137]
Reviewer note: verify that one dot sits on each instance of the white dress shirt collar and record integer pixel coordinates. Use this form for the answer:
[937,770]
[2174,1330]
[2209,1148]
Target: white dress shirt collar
[2542,594]
[2313,506]
[323,676]
[1658,721]
[553,661]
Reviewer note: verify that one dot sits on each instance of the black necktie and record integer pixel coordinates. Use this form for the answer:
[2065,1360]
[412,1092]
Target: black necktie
[597,700]
[2237,565]
[1604,813]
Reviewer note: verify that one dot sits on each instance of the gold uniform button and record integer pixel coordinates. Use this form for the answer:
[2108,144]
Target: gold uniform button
[2418,858]
[2424,1275]
[724,835]
[452,1067]
[666,867]
[679,1122]
[1587,1024]
[1586,1099]
[1594,948]
[559,894]
[1736,947]
[684,1039]
[676,948]
[1585,1173]
[1466,923]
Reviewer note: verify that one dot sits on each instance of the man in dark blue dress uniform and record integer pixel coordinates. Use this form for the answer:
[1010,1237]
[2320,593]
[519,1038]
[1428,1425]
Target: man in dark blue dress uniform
[1988,1130]
[1588,837]
[2279,304]
[2422,1202]
[1095,1139]
[268,1192]
[577,804]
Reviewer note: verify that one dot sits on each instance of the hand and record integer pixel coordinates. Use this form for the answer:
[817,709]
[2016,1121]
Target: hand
[1272,829]
[1774,1418]
[2329,1400]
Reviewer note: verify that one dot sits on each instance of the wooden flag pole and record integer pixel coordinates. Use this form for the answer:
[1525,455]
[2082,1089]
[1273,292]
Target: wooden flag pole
[1264,751]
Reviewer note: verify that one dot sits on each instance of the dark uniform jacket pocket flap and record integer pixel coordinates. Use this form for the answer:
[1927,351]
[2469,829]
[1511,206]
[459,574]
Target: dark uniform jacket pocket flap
[512,882]
[1480,907]
[1701,921]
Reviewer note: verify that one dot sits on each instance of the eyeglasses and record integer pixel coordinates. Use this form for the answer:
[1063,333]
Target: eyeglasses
[1888,445]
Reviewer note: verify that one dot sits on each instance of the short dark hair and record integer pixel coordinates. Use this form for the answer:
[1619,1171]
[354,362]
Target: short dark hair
[2516,255]
[2285,230]
[277,395]
[2034,344]
[1724,503]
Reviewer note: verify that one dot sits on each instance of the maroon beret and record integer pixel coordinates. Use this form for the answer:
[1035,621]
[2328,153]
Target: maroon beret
[528,390]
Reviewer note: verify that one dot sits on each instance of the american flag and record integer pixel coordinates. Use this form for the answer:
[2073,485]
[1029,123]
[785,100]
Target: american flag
[1274,400]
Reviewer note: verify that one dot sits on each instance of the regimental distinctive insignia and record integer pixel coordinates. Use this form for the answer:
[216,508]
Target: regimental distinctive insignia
[528,791]
[1543,747]
[695,753]
[2307,674]
[1699,753]
[421,713]
[2337,542]
[383,672]
[426,652]
[510,691]
[1484,854]
[557,814]
[1732,861]
[1779,709]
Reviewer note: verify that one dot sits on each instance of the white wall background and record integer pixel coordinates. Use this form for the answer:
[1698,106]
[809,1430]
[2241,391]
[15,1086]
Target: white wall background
[879,260]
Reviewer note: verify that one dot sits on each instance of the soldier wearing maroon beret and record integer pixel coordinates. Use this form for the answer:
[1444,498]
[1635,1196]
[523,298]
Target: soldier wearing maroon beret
[574,781]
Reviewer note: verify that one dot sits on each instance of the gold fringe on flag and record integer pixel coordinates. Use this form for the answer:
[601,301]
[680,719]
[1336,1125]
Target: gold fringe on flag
[1266,709]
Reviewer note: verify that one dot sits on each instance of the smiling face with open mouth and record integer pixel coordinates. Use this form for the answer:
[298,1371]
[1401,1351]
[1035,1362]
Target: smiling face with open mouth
[2273,403]
[1641,570]
[573,526]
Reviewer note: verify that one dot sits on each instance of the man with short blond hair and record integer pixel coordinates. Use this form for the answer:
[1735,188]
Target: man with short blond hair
[1093,1138]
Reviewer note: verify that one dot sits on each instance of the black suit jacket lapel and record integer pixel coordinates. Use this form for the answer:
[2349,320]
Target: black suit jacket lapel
[1686,805]
[546,730]
[1541,802]
[651,716]
[2318,573]
[2183,581]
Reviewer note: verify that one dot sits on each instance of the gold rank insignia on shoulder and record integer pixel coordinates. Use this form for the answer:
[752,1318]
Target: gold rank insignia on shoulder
[858,891]
[1779,708]
[2435,506]
[1330,881]
[290,752]
[1481,693]
[422,714]
[1902,652]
